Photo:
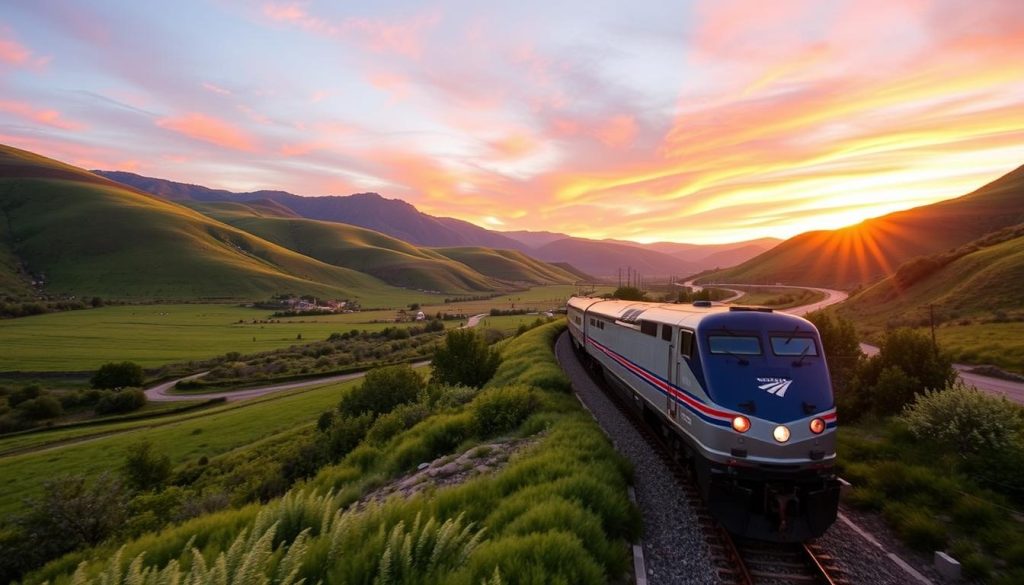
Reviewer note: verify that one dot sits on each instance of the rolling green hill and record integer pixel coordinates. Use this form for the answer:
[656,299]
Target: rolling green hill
[508,265]
[975,293]
[392,260]
[861,254]
[86,235]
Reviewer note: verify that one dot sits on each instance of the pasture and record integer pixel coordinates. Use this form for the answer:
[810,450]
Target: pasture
[182,437]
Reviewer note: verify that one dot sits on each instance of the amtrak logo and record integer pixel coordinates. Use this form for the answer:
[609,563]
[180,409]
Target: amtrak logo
[776,386]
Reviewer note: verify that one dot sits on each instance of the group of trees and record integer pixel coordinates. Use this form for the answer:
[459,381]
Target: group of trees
[908,364]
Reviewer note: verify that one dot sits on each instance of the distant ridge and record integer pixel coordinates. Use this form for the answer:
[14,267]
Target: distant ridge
[861,254]
[393,217]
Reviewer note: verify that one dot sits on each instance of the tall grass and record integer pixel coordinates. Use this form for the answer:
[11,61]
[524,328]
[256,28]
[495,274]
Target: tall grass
[557,512]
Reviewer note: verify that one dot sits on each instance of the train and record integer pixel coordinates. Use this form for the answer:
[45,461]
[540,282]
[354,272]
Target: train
[742,394]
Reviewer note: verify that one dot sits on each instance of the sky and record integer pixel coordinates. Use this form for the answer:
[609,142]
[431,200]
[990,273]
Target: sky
[704,121]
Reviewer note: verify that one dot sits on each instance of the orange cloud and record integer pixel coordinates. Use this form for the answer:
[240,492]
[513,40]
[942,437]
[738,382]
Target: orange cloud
[617,132]
[50,118]
[208,129]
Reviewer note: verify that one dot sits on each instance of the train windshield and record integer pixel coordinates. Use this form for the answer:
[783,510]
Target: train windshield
[734,344]
[794,346]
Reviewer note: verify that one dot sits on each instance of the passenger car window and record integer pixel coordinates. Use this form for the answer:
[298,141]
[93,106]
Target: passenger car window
[686,343]
[666,332]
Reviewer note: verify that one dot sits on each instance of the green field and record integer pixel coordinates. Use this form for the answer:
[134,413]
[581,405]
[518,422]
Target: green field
[154,335]
[778,298]
[183,437]
[508,323]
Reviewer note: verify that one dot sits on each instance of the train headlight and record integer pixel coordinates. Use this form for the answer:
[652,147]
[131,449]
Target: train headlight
[817,426]
[740,424]
[781,434]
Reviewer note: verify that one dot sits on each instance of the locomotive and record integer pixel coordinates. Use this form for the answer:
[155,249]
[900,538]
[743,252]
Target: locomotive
[742,393]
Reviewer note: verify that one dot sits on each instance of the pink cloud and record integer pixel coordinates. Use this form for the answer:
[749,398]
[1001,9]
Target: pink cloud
[46,117]
[208,129]
[379,36]
[210,87]
[617,132]
[14,53]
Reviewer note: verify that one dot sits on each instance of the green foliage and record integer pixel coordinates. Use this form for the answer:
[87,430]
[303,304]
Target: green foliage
[144,468]
[527,360]
[71,513]
[426,551]
[40,408]
[117,375]
[629,293]
[502,410]
[346,433]
[965,420]
[391,424]
[464,359]
[842,347]
[917,527]
[382,390]
[914,353]
[120,401]
[548,558]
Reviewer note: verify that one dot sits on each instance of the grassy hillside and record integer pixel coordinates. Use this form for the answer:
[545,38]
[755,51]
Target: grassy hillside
[90,236]
[863,253]
[974,291]
[555,512]
[392,260]
[508,265]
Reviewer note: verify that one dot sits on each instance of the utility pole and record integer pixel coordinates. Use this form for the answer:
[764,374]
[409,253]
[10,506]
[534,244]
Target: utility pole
[931,316]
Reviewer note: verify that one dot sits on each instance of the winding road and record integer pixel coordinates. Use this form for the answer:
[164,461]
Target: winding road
[164,392]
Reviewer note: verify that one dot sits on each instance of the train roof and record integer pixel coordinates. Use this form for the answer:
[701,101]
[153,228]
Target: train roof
[685,314]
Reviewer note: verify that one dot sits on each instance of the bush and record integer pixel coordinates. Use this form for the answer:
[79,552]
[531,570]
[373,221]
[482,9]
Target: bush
[117,375]
[145,469]
[382,390]
[965,420]
[917,527]
[346,433]
[502,410]
[24,394]
[464,359]
[453,396]
[404,417]
[892,391]
[41,408]
[913,352]
[842,348]
[121,401]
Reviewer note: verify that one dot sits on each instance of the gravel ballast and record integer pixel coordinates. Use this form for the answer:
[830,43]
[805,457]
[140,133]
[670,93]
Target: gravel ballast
[674,547]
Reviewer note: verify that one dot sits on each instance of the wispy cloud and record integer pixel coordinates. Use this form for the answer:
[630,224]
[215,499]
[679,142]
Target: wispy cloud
[209,129]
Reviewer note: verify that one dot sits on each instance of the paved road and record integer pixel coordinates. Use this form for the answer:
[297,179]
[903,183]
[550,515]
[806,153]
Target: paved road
[162,392]
[831,296]
[1011,390]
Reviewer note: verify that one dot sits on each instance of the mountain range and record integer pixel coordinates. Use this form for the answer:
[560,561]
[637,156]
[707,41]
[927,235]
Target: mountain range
[396,218]
[875,248]
[74,233]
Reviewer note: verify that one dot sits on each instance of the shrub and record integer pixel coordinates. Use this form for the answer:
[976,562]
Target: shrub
[502,410]
[41,408]
[913,352]
[965,420]
[24,394]
[464,358]
[346,433]
[550,558]
[396,421]
[917,527]
[121,401]
[117,375]
[382,390]
[893,390]
[144,468]
[842,348]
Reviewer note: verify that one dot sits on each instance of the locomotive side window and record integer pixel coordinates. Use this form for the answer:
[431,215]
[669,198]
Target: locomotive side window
[666,332]
[734,344]
[649,328]
[686,343]
[795,346]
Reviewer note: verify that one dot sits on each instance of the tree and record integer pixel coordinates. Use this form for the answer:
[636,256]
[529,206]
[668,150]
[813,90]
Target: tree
[629,293]
[464,359]
[914,353]
[117,375]
[144,468]
[382,390]
[842,349]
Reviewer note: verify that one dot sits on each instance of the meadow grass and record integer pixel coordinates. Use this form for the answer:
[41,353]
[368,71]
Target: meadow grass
[156,335]
[556,513]
[778,298]
[182,438]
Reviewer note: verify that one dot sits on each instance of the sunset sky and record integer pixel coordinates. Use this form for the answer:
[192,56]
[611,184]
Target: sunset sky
[703,121]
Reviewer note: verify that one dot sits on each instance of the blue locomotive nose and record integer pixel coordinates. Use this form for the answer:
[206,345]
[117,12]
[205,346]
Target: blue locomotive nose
[768,365]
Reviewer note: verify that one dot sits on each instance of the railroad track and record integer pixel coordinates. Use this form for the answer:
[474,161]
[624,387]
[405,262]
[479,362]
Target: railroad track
[739,561]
